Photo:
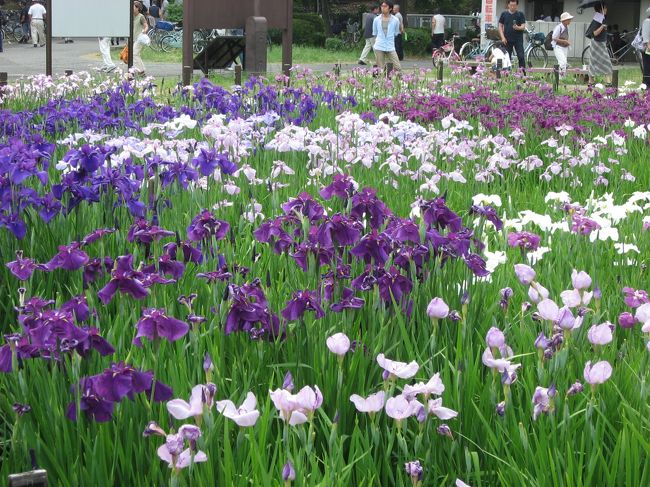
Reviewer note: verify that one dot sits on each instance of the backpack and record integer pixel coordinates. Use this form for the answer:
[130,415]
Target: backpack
[548,40]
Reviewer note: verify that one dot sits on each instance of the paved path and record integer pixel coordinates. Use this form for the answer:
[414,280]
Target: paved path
[83,55]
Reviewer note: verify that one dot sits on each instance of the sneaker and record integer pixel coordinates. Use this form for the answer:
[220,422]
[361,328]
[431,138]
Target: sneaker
[35,45]
[110,69]
[362,63]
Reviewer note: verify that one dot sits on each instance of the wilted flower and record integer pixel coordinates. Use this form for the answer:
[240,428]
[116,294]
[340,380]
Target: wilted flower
[501,408]
[575,388]
[543,400]
[445,430]
[414,470]
[626,320]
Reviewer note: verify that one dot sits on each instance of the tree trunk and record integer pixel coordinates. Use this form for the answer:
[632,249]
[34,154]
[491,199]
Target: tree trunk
[326,12]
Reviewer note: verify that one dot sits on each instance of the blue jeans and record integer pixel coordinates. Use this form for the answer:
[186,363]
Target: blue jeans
[518,46]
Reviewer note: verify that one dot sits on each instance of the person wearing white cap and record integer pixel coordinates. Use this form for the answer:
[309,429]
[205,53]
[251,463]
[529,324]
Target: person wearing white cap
[561,42]
[645,54]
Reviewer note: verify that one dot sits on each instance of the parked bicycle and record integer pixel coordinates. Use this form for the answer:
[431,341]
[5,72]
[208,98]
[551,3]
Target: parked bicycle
[447,52]
[12,31]
[617,56]
[535,53]
[472,50]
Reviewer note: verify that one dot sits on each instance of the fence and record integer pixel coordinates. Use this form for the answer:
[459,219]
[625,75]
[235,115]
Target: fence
[456,23]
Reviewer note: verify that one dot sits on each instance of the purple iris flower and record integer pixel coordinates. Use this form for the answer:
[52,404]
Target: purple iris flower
[273,232]
[95,269]
[348,301]
[87,158]
[155,324]
[249,307]
[404,255]
[436,214]
[221,274]
[583,225]
[306,205]
[342,186]
[14,224]
[300,302]
[144,232]
[208,161]
[206,225]
[489,213]
[524,240]
[368,279]
[392,284]
[49,207]
[90,403]
[178,171]
[403,230]
[340,229]
[78,305]
[169,265]
[125,279]
[311,246]
[96,235]
[70,258]
[373,246]
[365,202]
[22,268]
[477,265]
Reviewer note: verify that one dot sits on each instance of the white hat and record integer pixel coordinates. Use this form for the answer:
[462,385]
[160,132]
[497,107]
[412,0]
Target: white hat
[565,16]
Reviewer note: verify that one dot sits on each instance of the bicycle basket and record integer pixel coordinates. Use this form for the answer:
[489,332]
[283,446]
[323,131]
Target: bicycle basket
[538,38]
[493,34]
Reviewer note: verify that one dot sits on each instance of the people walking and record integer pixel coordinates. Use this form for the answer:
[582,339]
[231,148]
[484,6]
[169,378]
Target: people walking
[385,27]
[24,22]
[599,62]
[140,28]
[512,24]
[105,50]
[37,17]
[645,53]
[369,18]
[399,38]
[437,30]
[560,41]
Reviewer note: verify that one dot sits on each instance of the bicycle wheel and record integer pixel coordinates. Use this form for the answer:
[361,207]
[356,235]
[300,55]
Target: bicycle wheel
[438,56]
[154,36]
[586,56]
[168,42]
[467,51]
[199,41]
[537,57]
[455,57]
[16,32]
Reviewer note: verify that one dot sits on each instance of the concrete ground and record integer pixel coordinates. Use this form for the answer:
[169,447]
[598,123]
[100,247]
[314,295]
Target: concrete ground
[83,55]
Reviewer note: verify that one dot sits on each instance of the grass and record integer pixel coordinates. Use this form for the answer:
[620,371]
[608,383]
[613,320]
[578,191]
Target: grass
[597,437]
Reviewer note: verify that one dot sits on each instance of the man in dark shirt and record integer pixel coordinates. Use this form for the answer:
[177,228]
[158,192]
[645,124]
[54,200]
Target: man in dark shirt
[512,25]
[369,18]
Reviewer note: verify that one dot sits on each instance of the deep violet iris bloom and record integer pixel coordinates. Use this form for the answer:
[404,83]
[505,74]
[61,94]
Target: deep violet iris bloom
[22,268]
[489,213]
[342,186]
[205,225]
[348,301]
[100,393]
[393,285]
[87,158]
[96,235]
[249,307]
[144,232]
[373,246]
[306,205]
[125,279]
[436,214]
[273,232]
[477,265]
[339,229]
[208,161]
[155,324]
[300,302]
[365,202]
[403,230]
[70,258]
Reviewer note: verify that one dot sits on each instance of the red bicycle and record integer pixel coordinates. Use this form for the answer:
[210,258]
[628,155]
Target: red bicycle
[447,52]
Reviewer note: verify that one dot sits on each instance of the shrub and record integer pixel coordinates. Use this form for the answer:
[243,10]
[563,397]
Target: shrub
[418,43]
[304,34]
[334,44]
[174,12]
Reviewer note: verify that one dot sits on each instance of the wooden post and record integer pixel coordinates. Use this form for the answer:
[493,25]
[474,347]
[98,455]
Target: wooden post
[48,38]
[3,78]
[187,75]
[499,68]
[35,478]
[615,79]
[556,77]
[238,74]
[68,72]
[389,68]
[287,41]
[441,70]
[129,42]
[337,69]
[188,38]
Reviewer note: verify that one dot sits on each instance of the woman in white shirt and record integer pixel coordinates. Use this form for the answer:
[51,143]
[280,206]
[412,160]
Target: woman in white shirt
[561,42]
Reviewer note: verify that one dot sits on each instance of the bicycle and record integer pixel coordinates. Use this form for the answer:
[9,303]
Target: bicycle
[352,35]
[447,52]
[617,56]
[12,30]
[535,53]
[471,50]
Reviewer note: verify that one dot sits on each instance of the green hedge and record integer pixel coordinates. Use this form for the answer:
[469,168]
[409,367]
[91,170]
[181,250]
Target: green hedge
[418,43]
[174,12]
[308,30]
[334,44]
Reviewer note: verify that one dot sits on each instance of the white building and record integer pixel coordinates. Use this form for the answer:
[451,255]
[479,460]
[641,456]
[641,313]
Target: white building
[626,14]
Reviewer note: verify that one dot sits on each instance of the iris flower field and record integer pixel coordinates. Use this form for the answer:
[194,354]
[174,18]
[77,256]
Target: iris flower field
[324,280]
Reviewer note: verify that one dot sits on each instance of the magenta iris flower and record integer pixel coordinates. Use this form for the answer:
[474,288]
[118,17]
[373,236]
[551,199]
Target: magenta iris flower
[365,202]
[304,205]
[206,225]
[524,240]
[22,268]
[155,324]
[70,258]
[342,186]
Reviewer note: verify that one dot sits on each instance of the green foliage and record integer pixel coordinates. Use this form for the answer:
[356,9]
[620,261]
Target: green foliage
[334,44]
[304,33]
[418,42]
[174,12]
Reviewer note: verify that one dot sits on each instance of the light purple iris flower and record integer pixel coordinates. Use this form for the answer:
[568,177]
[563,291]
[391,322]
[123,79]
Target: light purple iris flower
[598,373]
[371,404]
